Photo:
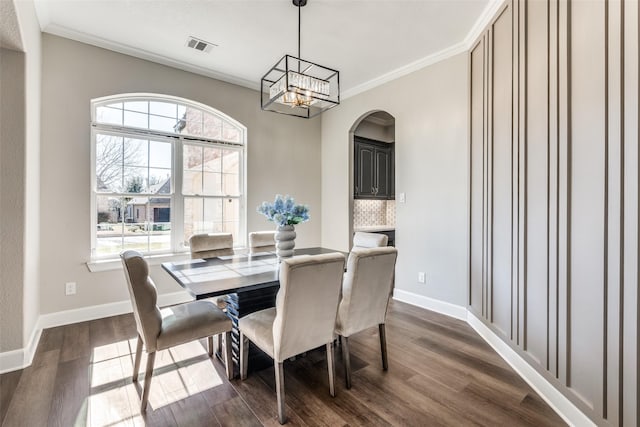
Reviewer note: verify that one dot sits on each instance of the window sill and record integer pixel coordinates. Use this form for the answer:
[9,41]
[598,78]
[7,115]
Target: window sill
[109,264]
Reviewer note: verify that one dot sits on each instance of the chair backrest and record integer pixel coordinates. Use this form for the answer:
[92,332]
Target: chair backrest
[211,245]
[144,297]
[362,239]
[307,303]
[262,241]
[366,288]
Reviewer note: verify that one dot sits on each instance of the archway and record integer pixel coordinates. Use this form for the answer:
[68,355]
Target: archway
[372,174]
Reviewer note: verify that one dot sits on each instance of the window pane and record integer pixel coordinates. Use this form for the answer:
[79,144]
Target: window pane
[231,210]
[109,159]
[212,127]
[159,225]
[192,217]
[212,184]
[135,179]
[213,214]
[109,115]
[202,215]
[182,109]
[231,177]
[139,106]
[160,154]
[231,161]
[163,124]
[212,159]
[137,120]
[193,121]
[192,182]
[160,181]
[136,152]
[109,225]
[230,133]
[230,184]
[192,157]
[163,109]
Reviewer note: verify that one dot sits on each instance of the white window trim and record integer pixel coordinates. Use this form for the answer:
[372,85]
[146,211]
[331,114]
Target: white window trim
[178,250]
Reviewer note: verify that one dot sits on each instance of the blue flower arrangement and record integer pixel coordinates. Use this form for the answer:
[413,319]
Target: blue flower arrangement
[284,211]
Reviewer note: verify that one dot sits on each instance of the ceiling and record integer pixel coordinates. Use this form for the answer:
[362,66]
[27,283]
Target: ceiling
[369,42]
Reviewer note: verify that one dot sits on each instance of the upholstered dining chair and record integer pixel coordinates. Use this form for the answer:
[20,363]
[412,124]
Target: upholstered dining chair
[210,245]
[303,318]
[161,329]
[365,297]
[262,241]
[362,239]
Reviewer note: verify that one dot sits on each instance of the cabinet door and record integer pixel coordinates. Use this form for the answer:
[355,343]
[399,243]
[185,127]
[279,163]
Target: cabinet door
[382,188]
[365,165]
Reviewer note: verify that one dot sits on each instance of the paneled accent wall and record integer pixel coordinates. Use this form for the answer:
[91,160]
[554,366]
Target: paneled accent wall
[554,125]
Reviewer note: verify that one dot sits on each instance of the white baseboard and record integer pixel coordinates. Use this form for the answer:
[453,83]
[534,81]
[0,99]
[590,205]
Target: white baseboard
[563,406]
[452,310]
[21,358]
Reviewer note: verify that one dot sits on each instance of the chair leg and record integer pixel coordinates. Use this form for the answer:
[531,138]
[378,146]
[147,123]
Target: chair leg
[383,346]
[280,391]
[136,363]
[346,360]
[210,345]
[331,367]
[151,357]
[228,359]
[244,355]
[219,350]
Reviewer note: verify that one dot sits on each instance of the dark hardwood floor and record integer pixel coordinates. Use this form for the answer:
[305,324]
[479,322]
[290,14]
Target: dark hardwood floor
[440,373]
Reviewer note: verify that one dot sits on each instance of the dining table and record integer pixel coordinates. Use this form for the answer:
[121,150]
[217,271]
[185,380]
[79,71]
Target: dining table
[248,279]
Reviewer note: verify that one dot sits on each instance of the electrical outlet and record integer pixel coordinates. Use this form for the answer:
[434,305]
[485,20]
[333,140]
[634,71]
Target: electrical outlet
[402,198]
[70,288]
[422,277]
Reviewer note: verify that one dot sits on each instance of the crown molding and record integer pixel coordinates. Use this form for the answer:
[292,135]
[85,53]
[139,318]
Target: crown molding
[478,27]
[65,32]
[406,69]
[483,20]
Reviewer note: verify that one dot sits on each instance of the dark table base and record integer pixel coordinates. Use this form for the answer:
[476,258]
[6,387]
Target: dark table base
[239,305]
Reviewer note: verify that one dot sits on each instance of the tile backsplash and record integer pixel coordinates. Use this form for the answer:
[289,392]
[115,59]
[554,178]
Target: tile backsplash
[374,212]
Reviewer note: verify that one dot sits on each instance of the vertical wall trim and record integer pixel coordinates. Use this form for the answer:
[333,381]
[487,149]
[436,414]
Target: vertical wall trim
[548,169]
[569,179]
[526,178]
[470,166]
[490,177]
[511,283]
[638,231]
[519,166]
[622,207]
[557,337]
[484,175]
[605,260]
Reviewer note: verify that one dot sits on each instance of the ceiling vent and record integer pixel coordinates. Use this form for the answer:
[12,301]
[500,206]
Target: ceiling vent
[200,45]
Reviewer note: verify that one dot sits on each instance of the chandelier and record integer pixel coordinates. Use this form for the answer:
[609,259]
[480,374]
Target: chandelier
[297,87]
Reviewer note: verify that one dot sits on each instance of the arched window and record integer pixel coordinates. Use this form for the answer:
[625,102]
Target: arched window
[164,168]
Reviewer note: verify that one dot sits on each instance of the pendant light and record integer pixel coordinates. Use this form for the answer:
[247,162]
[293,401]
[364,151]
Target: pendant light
[297,87]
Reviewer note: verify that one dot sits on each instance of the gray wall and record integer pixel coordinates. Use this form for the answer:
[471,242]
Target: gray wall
[12,184]
[554,195]
[282,157]
[20,181]
[430,111]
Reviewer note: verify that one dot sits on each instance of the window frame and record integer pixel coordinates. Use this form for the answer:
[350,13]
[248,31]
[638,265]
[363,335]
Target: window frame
[177,197]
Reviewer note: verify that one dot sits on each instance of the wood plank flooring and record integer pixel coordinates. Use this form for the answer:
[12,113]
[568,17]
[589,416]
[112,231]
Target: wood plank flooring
[441,373]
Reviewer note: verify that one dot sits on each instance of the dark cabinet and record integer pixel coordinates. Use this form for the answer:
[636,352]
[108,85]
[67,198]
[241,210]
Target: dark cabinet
[373,169]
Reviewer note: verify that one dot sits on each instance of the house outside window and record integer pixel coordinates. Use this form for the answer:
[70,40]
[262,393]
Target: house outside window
[163,169]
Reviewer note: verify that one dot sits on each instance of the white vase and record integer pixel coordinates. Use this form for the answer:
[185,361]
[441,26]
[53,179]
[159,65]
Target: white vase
[285,241]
